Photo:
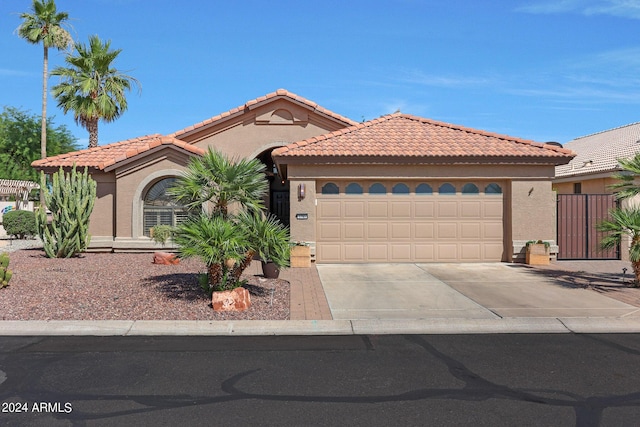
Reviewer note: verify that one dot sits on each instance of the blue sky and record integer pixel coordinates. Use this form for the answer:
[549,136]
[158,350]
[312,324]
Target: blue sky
[547,70]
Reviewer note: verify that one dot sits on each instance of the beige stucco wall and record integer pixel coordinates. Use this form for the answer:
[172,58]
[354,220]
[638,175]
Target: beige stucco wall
[598,185]
[102,220]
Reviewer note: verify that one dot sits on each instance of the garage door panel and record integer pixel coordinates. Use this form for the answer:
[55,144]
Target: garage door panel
[329,252]
[410,228]
[447,230]
[471,230]
[401,210]
[354,210]
[424,209]
[329,209]
[354,252]
[378,230]
[354,230]
[400,230]
[329,231]
[378,209]
[470,209]
[377,252]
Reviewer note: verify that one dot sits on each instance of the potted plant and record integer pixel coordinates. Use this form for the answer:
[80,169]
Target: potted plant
[269,240]
[537,252]
[300,254]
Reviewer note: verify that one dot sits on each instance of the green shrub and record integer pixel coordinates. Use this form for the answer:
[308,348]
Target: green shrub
[21,224]
[5,273]
[162,233]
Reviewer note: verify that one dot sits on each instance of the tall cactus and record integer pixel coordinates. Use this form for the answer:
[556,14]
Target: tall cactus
[70,201]
[5,273]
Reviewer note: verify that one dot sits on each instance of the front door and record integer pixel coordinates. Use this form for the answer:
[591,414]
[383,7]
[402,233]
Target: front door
[280,205]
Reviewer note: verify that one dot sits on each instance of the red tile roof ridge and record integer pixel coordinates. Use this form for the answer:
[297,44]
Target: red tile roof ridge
[277,93]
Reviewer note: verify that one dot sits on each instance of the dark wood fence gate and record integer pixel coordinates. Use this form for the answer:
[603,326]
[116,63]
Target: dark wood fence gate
[578,215]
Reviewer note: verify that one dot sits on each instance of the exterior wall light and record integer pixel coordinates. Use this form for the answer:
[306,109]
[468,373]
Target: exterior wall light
[302,189]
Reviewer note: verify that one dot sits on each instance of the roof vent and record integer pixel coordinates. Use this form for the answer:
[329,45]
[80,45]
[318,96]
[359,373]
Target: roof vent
[554,143]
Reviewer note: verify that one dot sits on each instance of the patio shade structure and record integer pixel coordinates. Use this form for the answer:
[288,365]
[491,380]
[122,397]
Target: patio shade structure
[19,189]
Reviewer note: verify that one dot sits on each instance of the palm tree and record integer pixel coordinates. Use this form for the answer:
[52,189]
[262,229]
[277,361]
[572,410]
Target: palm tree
[222,181]
[91,87]
[627,186]
[624,222]
[44,26]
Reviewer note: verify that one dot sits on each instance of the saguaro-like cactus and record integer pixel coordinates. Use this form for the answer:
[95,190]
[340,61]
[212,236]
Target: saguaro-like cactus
[70,201]
[5,273]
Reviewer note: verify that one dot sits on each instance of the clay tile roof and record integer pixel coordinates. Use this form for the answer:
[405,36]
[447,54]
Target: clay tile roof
[106,155]
[599,152]
[280,93]
[403,135]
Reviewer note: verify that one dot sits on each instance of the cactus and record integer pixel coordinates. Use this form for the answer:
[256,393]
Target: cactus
[70,201]
[5,273]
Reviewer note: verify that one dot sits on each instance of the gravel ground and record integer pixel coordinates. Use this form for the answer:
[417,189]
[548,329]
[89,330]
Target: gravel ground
[121,286]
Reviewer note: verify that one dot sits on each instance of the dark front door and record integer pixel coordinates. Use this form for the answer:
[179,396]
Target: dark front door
[280,205]
[578,215]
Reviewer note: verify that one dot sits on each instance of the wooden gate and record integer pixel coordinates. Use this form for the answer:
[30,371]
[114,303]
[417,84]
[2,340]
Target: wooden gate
[578,215]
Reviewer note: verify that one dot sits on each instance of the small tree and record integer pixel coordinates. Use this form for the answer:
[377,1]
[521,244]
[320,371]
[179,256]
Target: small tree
[70,201]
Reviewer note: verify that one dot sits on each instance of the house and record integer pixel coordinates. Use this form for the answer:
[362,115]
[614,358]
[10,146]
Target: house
[395,189]
[584,196]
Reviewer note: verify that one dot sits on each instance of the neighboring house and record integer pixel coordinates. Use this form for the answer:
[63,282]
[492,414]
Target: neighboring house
[590,173]
[395,189]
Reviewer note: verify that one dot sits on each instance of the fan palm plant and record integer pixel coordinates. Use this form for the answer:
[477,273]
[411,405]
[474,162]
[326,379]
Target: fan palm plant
[222,181]
[215,240]
[624,222]
[91,87]
[45,25]
[627,186]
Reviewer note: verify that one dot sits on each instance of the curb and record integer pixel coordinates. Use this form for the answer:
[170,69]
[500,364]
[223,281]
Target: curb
[317,327]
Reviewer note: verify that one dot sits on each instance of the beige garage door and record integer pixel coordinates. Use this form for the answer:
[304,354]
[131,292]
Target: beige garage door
[404,222]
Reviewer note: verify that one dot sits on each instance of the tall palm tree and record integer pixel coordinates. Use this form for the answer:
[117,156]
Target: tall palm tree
[44,25]
[624,222]
[91,87]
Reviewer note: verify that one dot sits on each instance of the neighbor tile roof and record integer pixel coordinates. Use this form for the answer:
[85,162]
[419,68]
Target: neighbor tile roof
[280,93]
[106,155]
[600,151]
[403,135]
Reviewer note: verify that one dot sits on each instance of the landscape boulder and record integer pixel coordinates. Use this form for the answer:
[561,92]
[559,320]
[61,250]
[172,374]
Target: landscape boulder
[238,299]
[165,258]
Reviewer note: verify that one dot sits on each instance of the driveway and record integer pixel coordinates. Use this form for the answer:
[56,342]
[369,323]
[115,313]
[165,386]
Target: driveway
[472,291]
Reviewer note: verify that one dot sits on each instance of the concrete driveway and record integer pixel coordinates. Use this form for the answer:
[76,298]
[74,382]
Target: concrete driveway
[472,291]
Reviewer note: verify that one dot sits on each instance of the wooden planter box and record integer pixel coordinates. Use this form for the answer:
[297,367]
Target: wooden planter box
[538,254]
[300,256]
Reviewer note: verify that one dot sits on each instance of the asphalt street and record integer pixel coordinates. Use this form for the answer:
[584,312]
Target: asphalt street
[356,380]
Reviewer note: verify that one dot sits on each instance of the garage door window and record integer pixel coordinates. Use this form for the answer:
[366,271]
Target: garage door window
[330,188]
[424,189]
[353,188]
[400,188]
[377,188]
[447,189]
[493,188]
[470,188]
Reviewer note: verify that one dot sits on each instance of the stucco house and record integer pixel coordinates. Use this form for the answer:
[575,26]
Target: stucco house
[398,188]
[584,196]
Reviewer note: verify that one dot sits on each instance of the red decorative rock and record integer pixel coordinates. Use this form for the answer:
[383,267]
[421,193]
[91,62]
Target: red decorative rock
[165,258]
[236,300]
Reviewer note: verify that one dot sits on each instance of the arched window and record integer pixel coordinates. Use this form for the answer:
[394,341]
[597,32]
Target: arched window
[400,188]
[353,188]
[493,188]
[330,188]
[447,188]
[424,189]
[377,188]
[159,208]
[470,188]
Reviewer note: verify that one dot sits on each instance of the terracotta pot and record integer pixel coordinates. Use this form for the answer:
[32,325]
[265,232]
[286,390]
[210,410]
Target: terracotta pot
[270,270]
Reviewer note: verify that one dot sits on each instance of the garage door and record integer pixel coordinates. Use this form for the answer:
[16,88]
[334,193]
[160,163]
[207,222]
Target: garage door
[409,222]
